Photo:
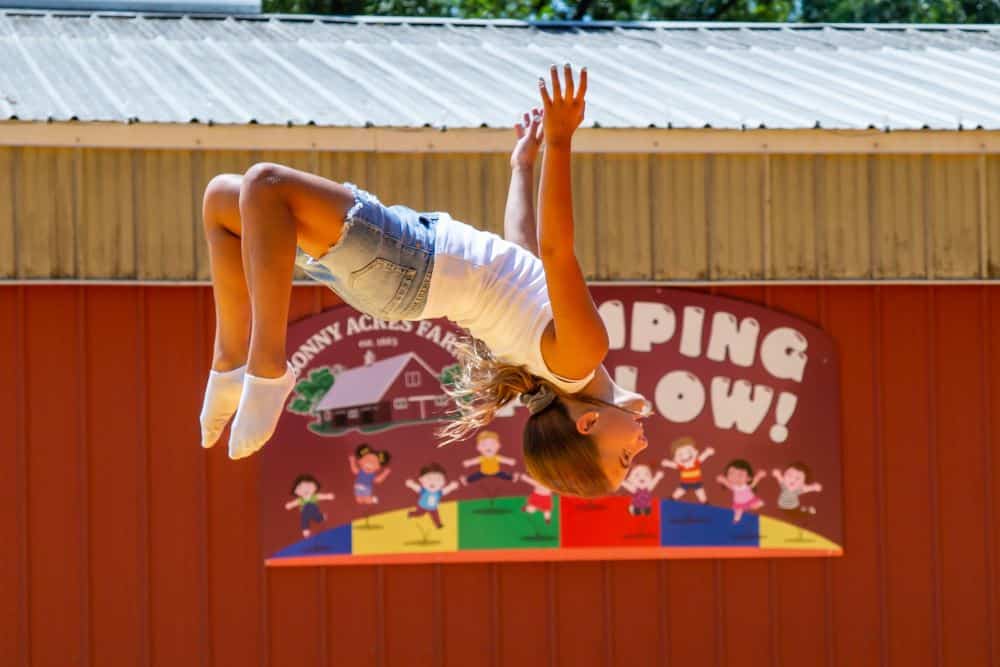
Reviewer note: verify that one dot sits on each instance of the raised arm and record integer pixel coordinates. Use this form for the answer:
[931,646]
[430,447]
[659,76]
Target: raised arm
[579,340]
[519,215]
[413,486]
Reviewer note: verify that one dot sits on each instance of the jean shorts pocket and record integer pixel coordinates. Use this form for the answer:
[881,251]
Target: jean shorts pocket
[381,285]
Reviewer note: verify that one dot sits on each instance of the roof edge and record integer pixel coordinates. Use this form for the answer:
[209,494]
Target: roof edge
[405,140]
[425,20]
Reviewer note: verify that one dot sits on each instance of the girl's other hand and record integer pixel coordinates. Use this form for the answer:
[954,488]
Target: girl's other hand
[529,139]
[564,108]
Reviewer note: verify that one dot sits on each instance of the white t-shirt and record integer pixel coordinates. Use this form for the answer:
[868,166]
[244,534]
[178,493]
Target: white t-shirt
[496,290]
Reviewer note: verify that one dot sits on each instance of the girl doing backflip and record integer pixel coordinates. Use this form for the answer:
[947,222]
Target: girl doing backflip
[535,331]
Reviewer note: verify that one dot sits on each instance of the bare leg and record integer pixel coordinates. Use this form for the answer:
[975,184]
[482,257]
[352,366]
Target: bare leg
[280,207]
[221,220]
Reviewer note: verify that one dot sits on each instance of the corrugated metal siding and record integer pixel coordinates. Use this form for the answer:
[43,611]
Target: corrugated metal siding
[404,73]
[99,213]
[128,544]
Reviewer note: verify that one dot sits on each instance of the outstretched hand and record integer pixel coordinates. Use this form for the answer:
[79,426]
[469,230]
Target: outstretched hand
[529,133]
[564,108]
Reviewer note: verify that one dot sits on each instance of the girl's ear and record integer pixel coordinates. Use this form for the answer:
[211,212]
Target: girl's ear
[586,422]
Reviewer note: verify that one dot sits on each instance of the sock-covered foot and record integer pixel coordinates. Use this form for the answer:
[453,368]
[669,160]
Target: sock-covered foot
[261,405]
[222,397]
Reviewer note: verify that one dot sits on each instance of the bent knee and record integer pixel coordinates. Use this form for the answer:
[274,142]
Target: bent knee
[221,198]
[263,177]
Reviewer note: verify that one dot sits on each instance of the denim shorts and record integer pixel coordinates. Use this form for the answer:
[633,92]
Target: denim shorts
[383,262]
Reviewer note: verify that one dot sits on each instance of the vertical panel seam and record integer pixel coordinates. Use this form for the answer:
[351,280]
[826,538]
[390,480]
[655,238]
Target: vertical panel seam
[766,230]
[495,627]
[709,167]
[196,210]
[15,170]
[933,481]
[322,602]
[984,233]
[77,170]
[664,613]
[829,612]
[819,218]
[928,221]
[986,350]
[143,478]
[83,468]
[380,616]
[21,480]
[608,613]
[880,518]
[550,588]
[437,617]
[874,238]
[720,613]
[204,601]
[139,236]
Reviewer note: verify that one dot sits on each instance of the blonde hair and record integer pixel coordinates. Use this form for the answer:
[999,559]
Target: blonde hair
[556,454]
[487,435]
[483,386]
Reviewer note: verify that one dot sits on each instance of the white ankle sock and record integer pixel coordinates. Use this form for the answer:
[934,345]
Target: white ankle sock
[222,397]
[261,405]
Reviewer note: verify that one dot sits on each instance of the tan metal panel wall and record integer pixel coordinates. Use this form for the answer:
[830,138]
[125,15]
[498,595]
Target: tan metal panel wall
[990,198]
[45,219]
[8,256]
[121,214]
[900,222]
[736,216]
[679,217]
[843,216]
[953,207]
[105,213]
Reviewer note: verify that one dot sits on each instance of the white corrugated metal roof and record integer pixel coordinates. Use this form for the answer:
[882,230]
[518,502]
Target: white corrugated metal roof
[295,70]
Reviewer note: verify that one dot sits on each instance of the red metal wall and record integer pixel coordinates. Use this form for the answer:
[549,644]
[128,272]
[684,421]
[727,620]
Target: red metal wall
[126,544]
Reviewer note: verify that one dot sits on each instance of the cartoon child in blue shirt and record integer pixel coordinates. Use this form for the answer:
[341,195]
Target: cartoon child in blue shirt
[432,485]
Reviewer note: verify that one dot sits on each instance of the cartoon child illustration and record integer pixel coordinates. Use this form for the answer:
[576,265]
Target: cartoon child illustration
[741,480]
[540,499]
[305,488]
[489,460]
[432,484]
[640,483]
[368,466]
[685,458]
[794,482]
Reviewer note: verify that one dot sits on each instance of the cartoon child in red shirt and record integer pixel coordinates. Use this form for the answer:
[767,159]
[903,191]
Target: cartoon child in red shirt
[685,458]
[540,499]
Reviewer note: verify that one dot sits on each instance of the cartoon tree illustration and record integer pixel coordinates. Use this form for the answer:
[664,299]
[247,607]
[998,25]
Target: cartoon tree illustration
[311,390]
[449,374]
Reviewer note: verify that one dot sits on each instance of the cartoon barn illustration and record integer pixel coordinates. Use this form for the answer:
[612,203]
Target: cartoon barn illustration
[395,390]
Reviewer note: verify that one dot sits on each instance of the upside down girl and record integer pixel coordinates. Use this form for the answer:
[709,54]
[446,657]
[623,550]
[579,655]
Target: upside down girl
[535,332]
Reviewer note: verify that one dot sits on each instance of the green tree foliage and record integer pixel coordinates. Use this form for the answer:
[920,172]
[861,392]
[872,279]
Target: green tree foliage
[449,374]
[811,11]
[310,391]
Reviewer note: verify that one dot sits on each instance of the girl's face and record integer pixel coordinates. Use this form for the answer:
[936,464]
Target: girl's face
[618,434]
[369,463]
[737,476]
[306,489]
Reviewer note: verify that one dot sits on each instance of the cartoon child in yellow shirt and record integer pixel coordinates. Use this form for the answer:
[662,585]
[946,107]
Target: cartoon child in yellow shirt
[489,460]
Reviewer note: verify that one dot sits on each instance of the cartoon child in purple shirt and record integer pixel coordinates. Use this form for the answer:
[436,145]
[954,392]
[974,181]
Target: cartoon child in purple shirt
[368,466]
[640,483]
